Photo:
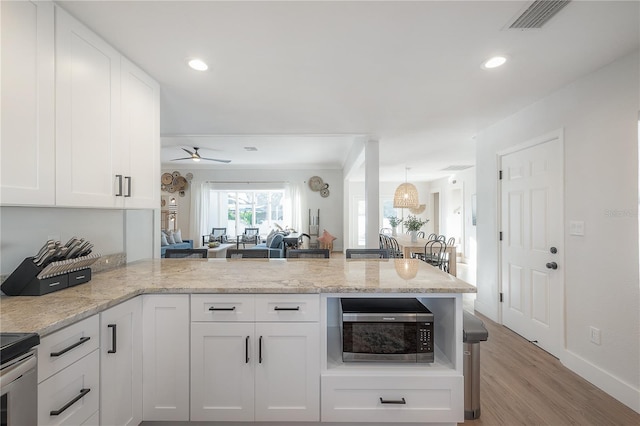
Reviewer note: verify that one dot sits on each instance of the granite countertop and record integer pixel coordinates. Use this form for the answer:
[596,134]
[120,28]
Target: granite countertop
[51,312]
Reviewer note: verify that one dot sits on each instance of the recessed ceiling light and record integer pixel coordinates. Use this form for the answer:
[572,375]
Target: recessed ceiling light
[494,62]
[198,64]
[250,148]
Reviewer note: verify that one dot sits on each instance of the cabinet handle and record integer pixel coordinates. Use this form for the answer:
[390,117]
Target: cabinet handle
[260,350]
[119,193]
[392,401]
[113,339]
[82,393]
[233,308]
[128,180]
[246,350]
[297,308]
[68,348]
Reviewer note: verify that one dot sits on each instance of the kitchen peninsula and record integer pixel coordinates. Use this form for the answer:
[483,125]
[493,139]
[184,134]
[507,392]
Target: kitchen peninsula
[175,310]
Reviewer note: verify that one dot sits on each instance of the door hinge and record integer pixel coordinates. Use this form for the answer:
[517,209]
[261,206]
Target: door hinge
[500,175]
[501,297]
[500,235]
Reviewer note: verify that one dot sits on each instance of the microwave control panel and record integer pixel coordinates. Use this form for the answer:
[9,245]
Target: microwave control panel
[425,337]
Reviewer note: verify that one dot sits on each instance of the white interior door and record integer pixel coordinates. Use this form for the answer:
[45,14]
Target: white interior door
[532,229]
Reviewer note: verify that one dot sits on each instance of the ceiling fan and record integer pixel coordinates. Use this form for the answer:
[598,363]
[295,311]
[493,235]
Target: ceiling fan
[196,157]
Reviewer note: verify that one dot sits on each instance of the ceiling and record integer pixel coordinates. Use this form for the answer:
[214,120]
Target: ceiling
[301,81]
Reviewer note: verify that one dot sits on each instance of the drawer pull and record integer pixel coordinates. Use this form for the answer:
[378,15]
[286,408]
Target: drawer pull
[55,284]
[79,277]
[75,345]
[297,308]
[119,193]
[392,401]
[113,339]
[82,393]
[260,350]
[233,308]
[246,350]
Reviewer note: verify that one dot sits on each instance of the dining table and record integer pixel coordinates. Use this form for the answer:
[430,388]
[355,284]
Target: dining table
[408,247]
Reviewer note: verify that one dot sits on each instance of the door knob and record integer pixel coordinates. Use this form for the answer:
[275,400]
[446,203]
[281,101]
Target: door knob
[553,250]
[552,265]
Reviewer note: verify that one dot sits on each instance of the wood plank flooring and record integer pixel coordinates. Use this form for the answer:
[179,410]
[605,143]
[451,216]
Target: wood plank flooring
[520,384]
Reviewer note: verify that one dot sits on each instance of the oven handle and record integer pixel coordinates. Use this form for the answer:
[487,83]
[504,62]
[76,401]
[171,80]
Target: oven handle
[16,371]
[82,393]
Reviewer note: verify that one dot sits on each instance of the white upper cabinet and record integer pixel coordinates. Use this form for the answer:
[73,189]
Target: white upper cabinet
[27,161]
[140,148]
[107,124]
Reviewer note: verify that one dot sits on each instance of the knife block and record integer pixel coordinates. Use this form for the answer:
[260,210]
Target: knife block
[24,280]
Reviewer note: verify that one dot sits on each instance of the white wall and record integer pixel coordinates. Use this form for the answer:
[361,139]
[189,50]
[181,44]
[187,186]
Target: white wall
[453,224]
[331,208]
[599,115]
[25,229]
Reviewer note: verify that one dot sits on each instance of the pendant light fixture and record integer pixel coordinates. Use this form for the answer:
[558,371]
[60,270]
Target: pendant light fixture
[406,195]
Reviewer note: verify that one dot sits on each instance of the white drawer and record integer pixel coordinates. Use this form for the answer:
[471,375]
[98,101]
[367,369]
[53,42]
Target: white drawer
[287,307]
[371,399]
[93,420]
[222,307]
[64,387]
[64,347]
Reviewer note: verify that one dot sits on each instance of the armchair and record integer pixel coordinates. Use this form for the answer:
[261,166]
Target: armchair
[251,236]
[217,234]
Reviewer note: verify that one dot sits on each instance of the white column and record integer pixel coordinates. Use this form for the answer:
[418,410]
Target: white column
[372,192]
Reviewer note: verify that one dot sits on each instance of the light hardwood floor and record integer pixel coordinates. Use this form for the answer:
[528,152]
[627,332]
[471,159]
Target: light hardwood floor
[520,384]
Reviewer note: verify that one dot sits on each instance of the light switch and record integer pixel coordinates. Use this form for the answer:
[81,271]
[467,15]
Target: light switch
[576,227]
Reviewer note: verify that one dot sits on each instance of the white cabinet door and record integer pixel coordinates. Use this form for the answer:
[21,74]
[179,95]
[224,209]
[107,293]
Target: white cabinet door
[222,371]
[87,116]
[140,147]
[72,395]
[288,372]
[27,161]
[121,364]
[165,349]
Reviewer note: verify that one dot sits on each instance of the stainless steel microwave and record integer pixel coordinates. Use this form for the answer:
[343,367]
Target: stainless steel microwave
[386,330]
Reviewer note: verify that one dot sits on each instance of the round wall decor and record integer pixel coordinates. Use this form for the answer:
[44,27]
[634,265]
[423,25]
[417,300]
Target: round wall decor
[316,183]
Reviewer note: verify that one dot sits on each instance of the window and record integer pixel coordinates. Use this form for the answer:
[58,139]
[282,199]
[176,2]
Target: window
[237,210]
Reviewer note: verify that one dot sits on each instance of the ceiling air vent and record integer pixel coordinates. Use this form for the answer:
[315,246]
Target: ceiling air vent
[455,168]
[538,13]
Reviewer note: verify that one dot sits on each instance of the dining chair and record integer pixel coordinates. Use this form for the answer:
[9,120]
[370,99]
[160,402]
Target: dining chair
[420,234]
[394,248]
[367,254]
[386,231]
[247,253]
[434,253]
[308,254]
[432,237]
[186,253]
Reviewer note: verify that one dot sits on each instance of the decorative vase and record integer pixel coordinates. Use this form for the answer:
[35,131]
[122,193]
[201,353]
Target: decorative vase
[414,236]
[394,231]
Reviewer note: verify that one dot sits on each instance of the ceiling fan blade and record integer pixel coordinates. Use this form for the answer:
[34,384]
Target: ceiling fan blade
[215,159]
[188,152]
[186,158]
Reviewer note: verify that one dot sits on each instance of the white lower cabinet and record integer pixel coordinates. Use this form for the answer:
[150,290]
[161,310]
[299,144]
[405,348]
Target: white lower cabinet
[222,371]
[165,349]
[71,396]
[394,399]
[255,371]
[121,364]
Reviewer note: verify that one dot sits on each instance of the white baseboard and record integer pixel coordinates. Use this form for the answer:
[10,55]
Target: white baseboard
[615,387]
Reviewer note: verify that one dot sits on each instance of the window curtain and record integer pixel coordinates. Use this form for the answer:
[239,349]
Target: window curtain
[200,204]
[293,206]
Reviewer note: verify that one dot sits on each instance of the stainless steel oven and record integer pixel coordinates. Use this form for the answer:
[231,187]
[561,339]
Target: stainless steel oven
[18,379]
[387,330]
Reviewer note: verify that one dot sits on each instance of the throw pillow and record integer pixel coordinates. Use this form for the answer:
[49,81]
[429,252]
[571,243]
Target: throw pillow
[163,239]
[326,238]
[170,239]
[177,236]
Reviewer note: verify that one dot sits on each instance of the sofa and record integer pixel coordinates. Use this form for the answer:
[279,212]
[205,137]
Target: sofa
[275,246]
[185,244]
